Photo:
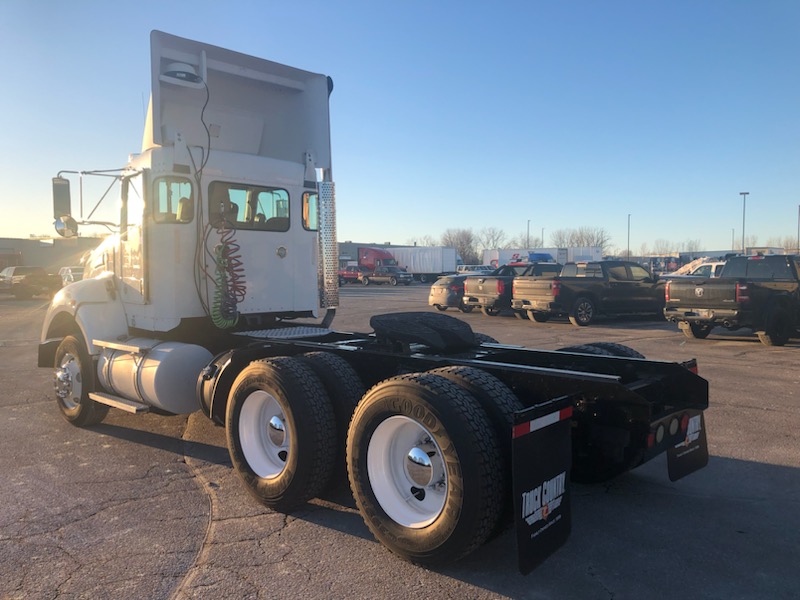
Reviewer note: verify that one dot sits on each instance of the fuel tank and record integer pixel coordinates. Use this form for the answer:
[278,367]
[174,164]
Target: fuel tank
[160,374]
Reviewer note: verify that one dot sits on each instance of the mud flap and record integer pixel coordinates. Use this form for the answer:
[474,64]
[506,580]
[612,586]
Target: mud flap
[692,453]
[541,461]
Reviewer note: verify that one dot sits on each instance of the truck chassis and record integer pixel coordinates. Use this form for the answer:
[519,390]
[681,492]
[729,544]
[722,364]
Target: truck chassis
[443,442]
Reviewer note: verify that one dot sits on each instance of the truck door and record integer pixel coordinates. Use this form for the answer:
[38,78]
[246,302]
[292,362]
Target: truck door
[620,289]
[130,267]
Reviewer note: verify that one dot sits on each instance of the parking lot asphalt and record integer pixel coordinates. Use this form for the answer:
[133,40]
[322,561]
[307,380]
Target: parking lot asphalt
[149,507]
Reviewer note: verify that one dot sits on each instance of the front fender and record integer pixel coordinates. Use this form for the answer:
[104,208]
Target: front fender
[91,307]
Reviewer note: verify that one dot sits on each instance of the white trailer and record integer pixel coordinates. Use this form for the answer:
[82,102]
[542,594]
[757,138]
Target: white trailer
[425,263]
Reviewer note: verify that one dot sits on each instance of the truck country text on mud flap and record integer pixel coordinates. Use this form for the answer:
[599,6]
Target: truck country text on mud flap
[217,290]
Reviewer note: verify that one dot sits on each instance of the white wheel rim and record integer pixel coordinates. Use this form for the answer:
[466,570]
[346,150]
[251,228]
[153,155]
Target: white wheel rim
[264,434]
[68,382]
[407,472]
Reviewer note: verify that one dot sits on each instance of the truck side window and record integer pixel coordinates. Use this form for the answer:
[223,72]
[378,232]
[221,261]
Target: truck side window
[242,206]
[618,273]
[639,273]
[174,202]
[310,211]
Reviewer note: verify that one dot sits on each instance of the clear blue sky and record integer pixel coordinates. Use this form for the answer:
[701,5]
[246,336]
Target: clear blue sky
[453,114]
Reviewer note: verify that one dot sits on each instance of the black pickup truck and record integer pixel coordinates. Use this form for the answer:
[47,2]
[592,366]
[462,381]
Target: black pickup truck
[492,292]
[25,282]
[757,292]
[585,289]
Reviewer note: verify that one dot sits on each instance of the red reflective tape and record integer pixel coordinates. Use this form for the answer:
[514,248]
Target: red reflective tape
[541,422]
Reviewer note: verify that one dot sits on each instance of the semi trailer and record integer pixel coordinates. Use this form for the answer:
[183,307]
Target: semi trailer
[217,292]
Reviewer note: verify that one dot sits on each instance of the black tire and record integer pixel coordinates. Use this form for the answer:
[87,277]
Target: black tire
[430,423]
[521,315]
[281,432]
[393,280]
[424,278]
[586,349]
[440,307]
[490,311]
[74,380]
[698,331]
[344,388]
[538,317]
[365,281]
[465,308]
[778,330]
[500,404]
[582,312]
[617,349]
[480,338]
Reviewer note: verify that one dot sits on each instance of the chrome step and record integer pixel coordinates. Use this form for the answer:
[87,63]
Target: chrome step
[119,402]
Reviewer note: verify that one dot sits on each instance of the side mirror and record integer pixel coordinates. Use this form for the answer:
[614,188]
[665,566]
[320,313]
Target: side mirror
[66,226]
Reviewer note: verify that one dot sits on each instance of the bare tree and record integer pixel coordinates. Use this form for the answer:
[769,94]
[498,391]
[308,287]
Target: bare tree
[425,240]
[523,241]
[662,246]
[583,236]
[693,246]
[490,238]
[465,243]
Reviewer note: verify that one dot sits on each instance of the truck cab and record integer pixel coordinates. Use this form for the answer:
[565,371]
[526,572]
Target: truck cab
[219,212]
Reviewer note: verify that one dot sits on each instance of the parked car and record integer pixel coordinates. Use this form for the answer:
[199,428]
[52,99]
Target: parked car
[448,291]
[391,275]
[492,292]
[474,269]
[25,281]
[70,274]
[352,274]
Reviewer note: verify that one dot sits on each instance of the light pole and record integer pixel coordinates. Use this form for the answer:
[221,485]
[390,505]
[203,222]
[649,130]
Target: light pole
[733,247]
[629,237]
[542,237]
[528,238]
[744,205]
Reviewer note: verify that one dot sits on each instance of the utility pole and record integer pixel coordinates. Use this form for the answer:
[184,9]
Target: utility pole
[744,205]
[528,238]
[628,256]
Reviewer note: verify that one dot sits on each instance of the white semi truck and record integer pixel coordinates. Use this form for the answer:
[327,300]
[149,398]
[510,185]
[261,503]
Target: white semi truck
[217,291]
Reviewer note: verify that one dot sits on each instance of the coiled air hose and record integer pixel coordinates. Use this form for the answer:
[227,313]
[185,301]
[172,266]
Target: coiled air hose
[230,286]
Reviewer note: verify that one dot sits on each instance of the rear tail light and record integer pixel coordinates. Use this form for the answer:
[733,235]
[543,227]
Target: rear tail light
[455,288]
[742,293]
[685,423]
[555,287]
[501,286]
[666,291]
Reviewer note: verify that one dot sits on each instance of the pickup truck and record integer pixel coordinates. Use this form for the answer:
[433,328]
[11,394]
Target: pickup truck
[391,274]
[757,292]
[585,289]
[25,282]
[492,292]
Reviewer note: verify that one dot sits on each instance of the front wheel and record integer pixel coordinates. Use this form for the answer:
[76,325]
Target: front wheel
[365,281]
[393,281]
[424,467]
[583,312]
[440,307]
[465,308]
[281,432]
[73,380]
[538,317]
